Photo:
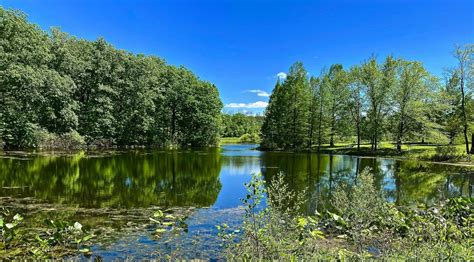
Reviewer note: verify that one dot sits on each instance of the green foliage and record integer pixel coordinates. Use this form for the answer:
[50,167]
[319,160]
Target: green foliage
[286,123]
[237,125]
[271,231]
[363,226]
[444,153]
[8,228]
[69,140]
[249,139]
[62,238]
[59,239]
[368,216]
[396,100]
[55,89]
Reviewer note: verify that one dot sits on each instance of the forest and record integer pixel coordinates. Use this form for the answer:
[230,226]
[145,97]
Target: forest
[246,128]
[60,91]
[393,100]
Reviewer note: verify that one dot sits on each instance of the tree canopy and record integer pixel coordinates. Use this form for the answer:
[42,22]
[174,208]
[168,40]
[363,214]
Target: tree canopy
[395,100]
[54,85]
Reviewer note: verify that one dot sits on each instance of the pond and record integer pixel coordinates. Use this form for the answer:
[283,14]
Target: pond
[114,188]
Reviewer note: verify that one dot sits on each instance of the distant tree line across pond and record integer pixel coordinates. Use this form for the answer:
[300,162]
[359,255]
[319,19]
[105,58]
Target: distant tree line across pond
[58,90]
[394,100]
[239,124]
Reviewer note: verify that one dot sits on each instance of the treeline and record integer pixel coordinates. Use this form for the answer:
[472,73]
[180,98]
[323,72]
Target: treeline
[58,89]
[239,124]
[395,100]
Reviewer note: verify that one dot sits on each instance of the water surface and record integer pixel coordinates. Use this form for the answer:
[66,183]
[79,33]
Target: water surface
[210,180]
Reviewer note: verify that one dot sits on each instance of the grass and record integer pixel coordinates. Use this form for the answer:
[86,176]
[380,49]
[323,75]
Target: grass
[426,151]
[409,150]
[230,140]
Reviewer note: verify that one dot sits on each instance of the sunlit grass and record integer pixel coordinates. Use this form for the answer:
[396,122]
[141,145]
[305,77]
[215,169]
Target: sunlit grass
[230,140]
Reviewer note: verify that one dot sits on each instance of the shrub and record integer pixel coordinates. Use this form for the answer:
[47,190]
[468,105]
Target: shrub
[71,140]
[369,217]
[67,141]
[364,225]
[249,138]
[275,230]
[444,153]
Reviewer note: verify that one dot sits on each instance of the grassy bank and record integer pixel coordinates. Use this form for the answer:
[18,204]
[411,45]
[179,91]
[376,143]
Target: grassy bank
[229,140]
[426,152]
[244,139]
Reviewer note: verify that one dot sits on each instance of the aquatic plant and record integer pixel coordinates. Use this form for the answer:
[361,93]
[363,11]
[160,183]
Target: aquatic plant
[8,228]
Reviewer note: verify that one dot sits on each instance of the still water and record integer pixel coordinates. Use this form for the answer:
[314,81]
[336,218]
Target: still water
[210,180]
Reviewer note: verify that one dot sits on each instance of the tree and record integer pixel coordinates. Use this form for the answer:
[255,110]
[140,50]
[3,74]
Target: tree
[52,84]
[356,100]
[24,56]
[408,93]
[464,57]
[272,125]
[297,87]
[286,124]
[239,124]
[314,107]
[370,78]
[338,94]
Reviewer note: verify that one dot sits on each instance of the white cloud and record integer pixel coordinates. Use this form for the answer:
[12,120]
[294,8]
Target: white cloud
[281,75]
[258,104]
[259,92]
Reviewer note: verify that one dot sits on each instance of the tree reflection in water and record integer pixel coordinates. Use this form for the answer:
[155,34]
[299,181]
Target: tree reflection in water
[132,179]
[404,182]
[193,177]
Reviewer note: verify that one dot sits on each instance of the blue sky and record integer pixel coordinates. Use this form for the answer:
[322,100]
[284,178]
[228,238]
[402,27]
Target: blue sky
[241,46]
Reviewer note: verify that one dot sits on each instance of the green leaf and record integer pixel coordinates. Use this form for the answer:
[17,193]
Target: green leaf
[158,213]
[302,222]
[160,230]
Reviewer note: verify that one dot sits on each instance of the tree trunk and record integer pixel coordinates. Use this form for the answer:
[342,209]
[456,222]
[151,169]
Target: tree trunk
[311,126]
[464,117]
[320,124]
[400,134]
[472,143]
[375,143]
[333,128]
[358,136]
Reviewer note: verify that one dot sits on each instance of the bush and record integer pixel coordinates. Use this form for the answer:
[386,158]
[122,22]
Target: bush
[249,139]
[444,153]
[364,225]
[67,141]
[369,217]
